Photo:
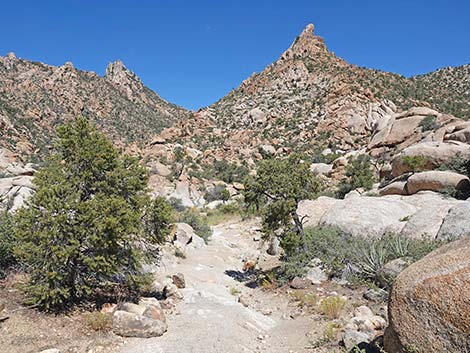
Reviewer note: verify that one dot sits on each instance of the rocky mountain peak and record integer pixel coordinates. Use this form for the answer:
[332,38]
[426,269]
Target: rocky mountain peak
[306,44]
[126,81]
[118,73]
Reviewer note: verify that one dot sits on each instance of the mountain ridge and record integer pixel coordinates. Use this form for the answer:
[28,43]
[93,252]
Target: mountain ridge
[308,98]
[35,97]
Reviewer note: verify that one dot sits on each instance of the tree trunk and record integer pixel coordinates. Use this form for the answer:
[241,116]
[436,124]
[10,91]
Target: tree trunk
[299,229]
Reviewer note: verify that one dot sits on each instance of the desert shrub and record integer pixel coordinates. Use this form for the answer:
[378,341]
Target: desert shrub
[353,257]
[304,299]
[457,164]
[218,192]
[414,163]
[228,172]
[359,174]
[332,307]
[429,123]
[177,204]
[198,222]
[7,259]
[82,231]
[223,212]
[98,321]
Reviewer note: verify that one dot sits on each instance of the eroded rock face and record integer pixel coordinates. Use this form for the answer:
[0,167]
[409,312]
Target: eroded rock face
[456,223]
[429,306]
[434,153]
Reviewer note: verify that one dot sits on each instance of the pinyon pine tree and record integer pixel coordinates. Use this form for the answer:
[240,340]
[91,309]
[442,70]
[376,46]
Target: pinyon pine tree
[277,188]
[81,231]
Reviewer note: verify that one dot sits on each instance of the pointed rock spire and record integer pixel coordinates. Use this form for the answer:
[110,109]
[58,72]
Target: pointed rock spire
[126,80]
[306,44]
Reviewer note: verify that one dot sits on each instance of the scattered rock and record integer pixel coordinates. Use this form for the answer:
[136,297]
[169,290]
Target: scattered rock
[375,295]
[300,283]
[178,280]
[315,273]
[109,308]
[353,338]
[244,300]
[321,168]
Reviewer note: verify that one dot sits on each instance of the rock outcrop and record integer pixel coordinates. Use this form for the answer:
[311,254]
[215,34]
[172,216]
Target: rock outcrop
[429,304]
[424,215]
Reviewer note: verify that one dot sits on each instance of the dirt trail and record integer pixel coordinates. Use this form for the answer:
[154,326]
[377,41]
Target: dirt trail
[211,320]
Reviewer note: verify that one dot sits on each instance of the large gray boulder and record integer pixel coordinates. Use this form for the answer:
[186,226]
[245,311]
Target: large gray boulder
[436,180]
[429,306]
[368,216]
[427,222]
[456,223]
[311,211]
[186,238]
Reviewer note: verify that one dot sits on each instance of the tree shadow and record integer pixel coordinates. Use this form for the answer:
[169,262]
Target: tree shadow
[373,347]
[249,278]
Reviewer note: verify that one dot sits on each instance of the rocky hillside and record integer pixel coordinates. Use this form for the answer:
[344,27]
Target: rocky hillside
[34,97]
[448,89]
[309,99]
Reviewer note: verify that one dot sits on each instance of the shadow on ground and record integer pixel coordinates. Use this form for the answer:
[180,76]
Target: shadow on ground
[249,278]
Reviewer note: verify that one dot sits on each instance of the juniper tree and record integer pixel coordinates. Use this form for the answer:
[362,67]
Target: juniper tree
[81,229]
[277,188]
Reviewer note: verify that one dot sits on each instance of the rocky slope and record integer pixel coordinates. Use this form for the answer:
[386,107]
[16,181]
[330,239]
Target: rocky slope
[310,99]
[35,97]
[448,89]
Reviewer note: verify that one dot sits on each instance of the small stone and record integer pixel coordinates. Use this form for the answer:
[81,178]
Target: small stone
[109,308]
[127,324]
[375,295]
[244,300]
[266,311]
[300,283]
[363,311]
[179,280]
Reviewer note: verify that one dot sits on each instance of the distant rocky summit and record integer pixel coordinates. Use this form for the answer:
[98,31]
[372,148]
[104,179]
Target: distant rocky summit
[311,99]
[35,98]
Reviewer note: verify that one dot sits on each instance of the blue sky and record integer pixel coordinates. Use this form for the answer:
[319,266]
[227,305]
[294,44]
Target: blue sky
[193,52]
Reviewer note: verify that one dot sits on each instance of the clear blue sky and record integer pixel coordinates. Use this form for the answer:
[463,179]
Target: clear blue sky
[193,52]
